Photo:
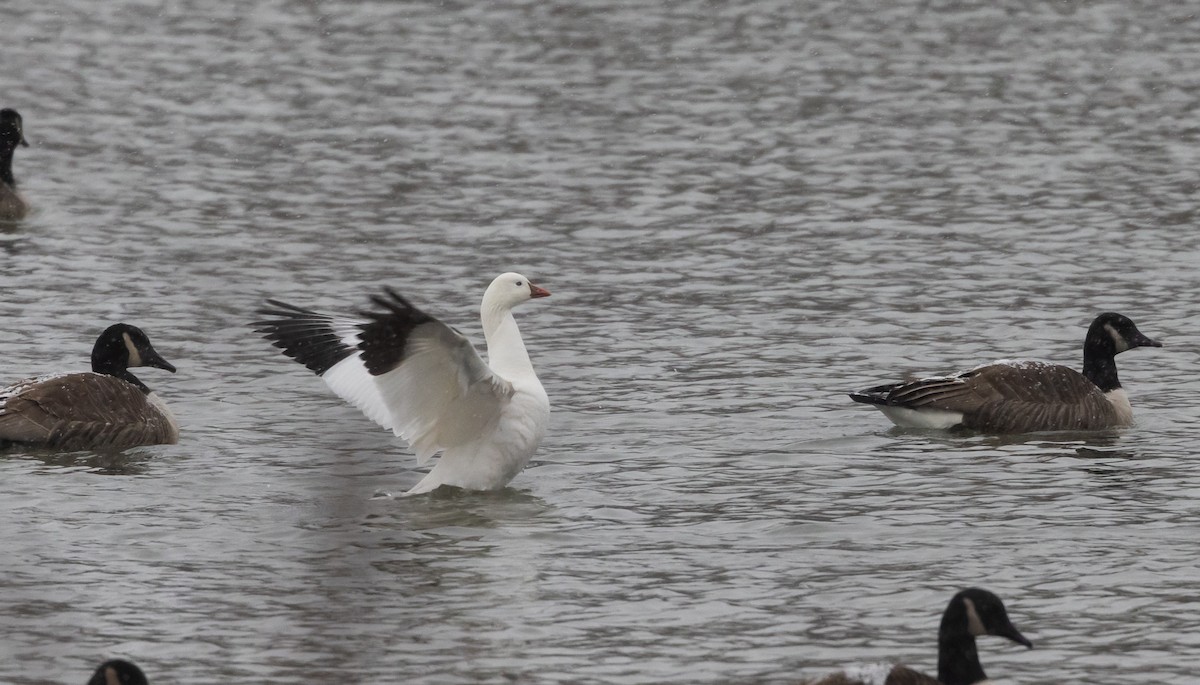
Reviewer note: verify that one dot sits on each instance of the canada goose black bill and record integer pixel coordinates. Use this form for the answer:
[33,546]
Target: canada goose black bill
[118,672]
[12,204]
[106,408]
[1022,396]
[972,613]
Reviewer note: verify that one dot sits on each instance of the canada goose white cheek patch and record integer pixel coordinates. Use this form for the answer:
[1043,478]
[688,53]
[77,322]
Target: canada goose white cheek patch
[1119,341]
[135,357]
[974,625]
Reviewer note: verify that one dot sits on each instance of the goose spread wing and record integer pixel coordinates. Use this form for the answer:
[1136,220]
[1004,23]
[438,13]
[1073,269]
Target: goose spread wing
[439,391]
[328,346]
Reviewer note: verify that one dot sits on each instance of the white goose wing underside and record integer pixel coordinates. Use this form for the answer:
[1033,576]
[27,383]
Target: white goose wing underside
[438,390]
[350,380]
[327,345]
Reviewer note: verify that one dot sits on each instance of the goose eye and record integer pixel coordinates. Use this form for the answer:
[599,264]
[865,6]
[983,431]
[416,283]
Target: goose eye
[519,283]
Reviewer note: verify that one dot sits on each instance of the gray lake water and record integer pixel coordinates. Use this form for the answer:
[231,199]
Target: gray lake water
[743,210]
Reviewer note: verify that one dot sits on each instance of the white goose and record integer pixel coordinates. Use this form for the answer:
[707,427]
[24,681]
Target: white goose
[423,380]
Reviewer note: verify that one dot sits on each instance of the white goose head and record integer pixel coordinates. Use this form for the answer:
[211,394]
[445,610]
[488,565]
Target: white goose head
[509,290]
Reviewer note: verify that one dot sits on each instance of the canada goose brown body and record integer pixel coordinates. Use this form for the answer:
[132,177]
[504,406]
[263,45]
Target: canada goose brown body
[1022,396]
[12,205]
[107,408]
[971,613]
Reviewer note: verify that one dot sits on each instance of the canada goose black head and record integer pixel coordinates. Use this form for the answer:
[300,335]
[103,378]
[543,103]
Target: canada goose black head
[122,346]
[1109,335]
[12,131]
[971,613]
[12,134]
[118,672]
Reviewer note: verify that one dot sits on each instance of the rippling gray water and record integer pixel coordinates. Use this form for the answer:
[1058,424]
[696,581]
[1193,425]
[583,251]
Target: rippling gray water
[743,210]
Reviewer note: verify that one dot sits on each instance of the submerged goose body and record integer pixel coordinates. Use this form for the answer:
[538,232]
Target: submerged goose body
[12,204]
[107,408]
[971,613]
[118,672]
[1022,396]
[423,380]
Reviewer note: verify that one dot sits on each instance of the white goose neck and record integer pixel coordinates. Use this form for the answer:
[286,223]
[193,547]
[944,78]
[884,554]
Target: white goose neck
[506,350]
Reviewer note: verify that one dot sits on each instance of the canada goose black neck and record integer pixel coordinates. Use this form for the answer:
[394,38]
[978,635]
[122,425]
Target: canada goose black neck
[11,135]
[971,612]
[6,157]
[121,346]
[1109,335]
[958,659]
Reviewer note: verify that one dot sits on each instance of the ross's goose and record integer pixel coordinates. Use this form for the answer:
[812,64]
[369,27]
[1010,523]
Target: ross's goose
[12,205]
[106,408]
[971,613]
[1022,396]
[423,380]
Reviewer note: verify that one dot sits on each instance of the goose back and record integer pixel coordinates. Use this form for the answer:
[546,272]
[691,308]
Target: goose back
[1022,396]
[1011,397]
[83,411]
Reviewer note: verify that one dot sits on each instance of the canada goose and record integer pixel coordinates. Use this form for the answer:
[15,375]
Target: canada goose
[12,205]
[1022,396]
[118,672]
[423,380]
[971,613]
[106,408]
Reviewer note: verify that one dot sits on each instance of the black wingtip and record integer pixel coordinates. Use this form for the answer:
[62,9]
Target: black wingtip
[394,303]
[384,336]
[302,334]
[876,395]
[277,309]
